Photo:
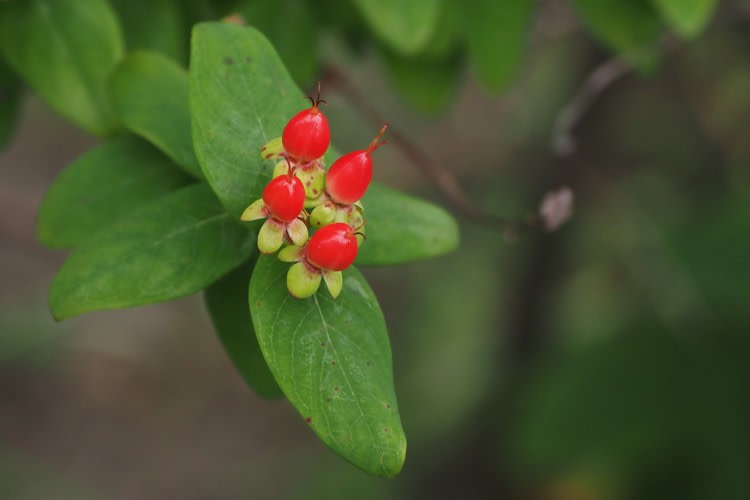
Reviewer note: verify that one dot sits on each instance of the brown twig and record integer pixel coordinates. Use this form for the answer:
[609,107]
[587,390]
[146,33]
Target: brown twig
[437,173]
[601,78]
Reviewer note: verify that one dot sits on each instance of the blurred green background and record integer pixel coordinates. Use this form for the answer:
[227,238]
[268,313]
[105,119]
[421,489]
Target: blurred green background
[607,360]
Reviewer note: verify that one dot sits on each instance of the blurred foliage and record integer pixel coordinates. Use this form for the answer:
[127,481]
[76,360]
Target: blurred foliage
[609,360]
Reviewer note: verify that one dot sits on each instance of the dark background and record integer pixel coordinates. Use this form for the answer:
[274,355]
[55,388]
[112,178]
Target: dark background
[606,360]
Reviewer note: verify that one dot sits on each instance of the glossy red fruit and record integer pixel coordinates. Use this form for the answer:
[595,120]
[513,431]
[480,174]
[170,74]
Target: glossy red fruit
[333,247]
[306,137]
[284,196]
[350,176]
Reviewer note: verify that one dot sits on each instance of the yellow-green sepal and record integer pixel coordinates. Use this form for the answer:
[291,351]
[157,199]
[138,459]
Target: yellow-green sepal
[302,280]
[272,149]
[271,236]
[291,253]
[256,210]
[334,281]
[298,232]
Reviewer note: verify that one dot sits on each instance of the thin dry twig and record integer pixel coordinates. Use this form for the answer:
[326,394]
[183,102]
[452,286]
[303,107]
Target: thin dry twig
[436,172]
[600,79]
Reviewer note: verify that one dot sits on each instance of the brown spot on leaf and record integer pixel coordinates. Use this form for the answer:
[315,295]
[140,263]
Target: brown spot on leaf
[229,61]
[308,420]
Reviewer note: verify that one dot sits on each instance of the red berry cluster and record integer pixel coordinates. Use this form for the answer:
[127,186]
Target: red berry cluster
[302,196]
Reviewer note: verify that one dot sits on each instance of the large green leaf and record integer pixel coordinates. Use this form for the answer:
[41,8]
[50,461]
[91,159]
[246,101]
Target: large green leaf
[625,27]
[291,27]
[65,50]
[427,83]
[687,17]
[332,359]
[150,93]
[169,248]
[103,186]
[240,97]
[10,102]
[154,25]
[405,26]
[402,229]
[227,303]
[497,37]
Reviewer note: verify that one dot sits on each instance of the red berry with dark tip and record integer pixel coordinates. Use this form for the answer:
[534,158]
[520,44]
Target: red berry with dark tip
[306,137]
[350,176]
[333,247]
[284,196]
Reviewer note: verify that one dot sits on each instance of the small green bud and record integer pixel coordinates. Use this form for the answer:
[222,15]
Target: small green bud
[313,177]
[323,214]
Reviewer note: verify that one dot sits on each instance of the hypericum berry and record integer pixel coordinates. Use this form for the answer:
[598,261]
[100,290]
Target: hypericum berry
[329,251]
[333,247]
[349,176]
[285,197]
[282,203]
[306,137]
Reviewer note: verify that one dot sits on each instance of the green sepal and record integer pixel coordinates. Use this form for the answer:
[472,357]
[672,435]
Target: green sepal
[271,236]
[334,281]
[302,280]
[297,231]
[256,210]
[272,149]
[291,253]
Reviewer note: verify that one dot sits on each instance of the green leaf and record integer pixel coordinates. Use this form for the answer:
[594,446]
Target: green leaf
[65,49]
[687,17]
[449,33]
[150,93]
[625,27]
[227,303]
[427,83]
[10,102]
[496,38]
[241,96]
[332,359]
[402,229]
[169,248]
[101,187]
[291,27]
[155,25]
[405,26]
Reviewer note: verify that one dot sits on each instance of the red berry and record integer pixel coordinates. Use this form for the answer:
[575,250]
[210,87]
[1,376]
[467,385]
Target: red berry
[306,137]
[284,196]
[332,247]
[350,176]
